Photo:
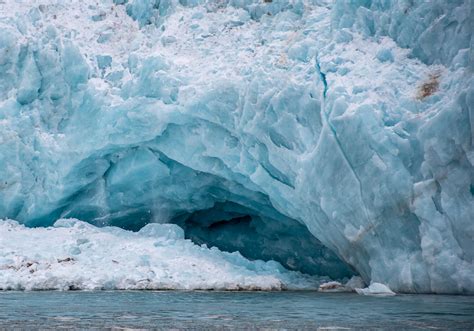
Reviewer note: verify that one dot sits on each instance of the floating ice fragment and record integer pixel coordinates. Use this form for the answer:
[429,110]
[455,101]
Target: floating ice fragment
[350,286]
[376,289]
[332,287]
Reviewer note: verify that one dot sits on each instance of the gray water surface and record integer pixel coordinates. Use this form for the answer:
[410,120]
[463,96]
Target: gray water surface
[232,310]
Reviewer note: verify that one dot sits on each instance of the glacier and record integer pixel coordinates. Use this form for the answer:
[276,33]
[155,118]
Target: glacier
[334,137]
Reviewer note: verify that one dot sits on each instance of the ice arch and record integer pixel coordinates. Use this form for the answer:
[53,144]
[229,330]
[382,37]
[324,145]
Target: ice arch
[291,110]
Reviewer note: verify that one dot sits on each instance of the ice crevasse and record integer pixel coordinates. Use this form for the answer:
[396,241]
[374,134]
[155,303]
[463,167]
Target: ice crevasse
[332,136]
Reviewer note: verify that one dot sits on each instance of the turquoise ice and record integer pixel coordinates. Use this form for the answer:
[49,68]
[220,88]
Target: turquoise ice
[335,137]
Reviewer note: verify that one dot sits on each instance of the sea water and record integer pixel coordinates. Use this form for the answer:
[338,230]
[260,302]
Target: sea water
[232,310]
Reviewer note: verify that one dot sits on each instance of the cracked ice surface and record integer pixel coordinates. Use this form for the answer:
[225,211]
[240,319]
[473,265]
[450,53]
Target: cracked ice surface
[123,114]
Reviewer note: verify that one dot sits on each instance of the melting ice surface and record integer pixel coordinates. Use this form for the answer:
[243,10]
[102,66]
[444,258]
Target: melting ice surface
[333,137]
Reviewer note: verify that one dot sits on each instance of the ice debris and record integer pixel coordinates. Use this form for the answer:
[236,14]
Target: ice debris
[352,285]
[376,289]
[74,255]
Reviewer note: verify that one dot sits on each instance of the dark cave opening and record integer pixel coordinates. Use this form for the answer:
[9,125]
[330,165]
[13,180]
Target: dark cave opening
[232,227]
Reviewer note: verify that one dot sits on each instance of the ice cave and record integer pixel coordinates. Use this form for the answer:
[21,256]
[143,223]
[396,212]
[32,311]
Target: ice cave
[266,144]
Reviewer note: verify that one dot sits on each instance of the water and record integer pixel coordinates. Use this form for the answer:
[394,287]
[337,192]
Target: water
[231,310]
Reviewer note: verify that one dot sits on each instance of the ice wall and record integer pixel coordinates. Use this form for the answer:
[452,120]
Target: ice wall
[435,31]
[353,119]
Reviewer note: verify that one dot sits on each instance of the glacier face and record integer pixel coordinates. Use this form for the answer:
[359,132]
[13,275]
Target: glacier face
[249,123]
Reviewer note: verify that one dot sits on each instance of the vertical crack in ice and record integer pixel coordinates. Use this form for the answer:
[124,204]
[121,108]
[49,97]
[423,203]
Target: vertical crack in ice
[326,122]
[322,75]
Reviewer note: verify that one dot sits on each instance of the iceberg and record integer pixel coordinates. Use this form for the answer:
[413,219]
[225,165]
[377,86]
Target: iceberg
[334,137]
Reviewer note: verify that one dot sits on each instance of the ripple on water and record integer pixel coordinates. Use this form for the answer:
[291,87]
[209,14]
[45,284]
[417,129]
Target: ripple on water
[224,310]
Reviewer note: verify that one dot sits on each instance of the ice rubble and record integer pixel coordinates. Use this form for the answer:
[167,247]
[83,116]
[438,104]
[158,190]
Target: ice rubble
[355,284]
[352,119]
[155,258]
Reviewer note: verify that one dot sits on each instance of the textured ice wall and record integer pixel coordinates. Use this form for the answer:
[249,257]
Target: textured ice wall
[146,111]
[435,31]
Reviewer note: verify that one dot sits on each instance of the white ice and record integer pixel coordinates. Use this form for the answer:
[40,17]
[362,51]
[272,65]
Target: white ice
[376,289]
[74,255]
